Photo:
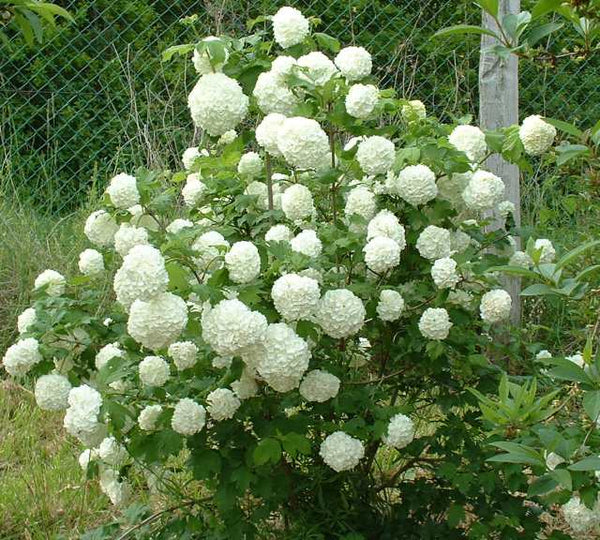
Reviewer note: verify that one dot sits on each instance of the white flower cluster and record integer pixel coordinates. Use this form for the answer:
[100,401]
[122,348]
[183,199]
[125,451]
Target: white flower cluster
[243,262]
[340,313]
[81,418]
[91,262]
[390,305]
[208,248]
[381,254]
[386,224]
[303,143]
[193,190]
[278,233]
[122,191]
[272,96]
[222,404]
[361,202]
[444,273]
[290,27]
[341,451]
[100,228]
[188,417]
[217,103]
[230,327]
[435,323]
[354,63]
[495,306]
[112,453]
[183,353]
[267,133]
[201,60]
[400,431]
[52,392]
[295,297]
[415,184]
[547,251]
[129,236]
[53,281]
[434,243]
[297,202]
[317,68]
[158,322]
[361,100]
[376,155]
[153,371]
[484,191]
[284,359]
[536,134]
[470,140]
[250,165]
[117,490]
[26,320]
[307,243]
[106,353]
[579,517]
[22,356]
[319,386]
[413,110]
[148,417]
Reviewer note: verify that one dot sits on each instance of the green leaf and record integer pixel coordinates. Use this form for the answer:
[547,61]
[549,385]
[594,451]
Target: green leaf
[545,6]
[267,450]
[538,289]
[53,9]
[567,152]
[591,404]
[563,477]
[294,443]
[514,271]
[177,50]
[456,513]
[569,257]
[491,6]
[327,42]
[565,126]
[117,412]
[205,462]
[567,370]
[590,463]
[541,32]
[216,50]
[460,29]
[542,485]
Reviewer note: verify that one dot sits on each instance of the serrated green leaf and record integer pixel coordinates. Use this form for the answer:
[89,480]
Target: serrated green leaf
[267,450]
[591,463]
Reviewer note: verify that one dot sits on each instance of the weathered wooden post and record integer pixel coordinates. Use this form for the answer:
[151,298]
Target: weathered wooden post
[499,107]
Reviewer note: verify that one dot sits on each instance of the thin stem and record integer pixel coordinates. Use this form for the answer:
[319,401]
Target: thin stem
[269,172]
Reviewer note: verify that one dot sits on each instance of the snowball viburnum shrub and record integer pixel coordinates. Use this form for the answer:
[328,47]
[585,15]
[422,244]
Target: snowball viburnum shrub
[264,355]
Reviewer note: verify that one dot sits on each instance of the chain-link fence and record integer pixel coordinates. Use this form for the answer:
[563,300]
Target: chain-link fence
[95,98]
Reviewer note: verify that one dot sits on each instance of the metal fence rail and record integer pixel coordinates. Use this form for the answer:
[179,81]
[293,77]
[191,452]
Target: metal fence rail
[95,98]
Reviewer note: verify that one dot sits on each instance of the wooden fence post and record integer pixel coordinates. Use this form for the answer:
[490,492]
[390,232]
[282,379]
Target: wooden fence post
[499,107]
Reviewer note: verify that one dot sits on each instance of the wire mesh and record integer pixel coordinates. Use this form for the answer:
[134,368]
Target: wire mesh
[95,98]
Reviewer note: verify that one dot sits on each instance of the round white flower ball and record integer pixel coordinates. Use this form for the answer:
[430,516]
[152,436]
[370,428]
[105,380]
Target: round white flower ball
[122,191]
[231,326]
[26,320]
[246,387]
[282,66]
[495,306]
[381,254]
[386,224]
[188,417]
[129,236]
[521,258]
[297,202]
[470,140]
[319,68]
[413,110]
[201,60]
[303,143]
[548,253]
[91,262]
[361,201]
[278,233]
[86,457]
[251,165]
[484,191]
[111,452]
[307,243]
[319,386]
[267,133]
[158,322]
[142,275]
[149,416]
[444,273]
[106,353]
[415,184]
[209,247]
[375,155]
[272,96]
[189,156]
[361,100]
[100,228]
[340,313]
[435,323]
[217,103]
[295,297]
[434,243]
[81,418]
[578,516]
[183,353]
[153,371]
[505,208]
[243,262]
[283,358]
[354,63]
[400,432]
[341,452]
[193,190]
[290,27]
[140,219]
[222,404]
[52,392]
[178,225]
[53,281]
[118,491]
[536,134]
[390,305]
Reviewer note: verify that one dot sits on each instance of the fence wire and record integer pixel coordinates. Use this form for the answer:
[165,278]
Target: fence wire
[95,98]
